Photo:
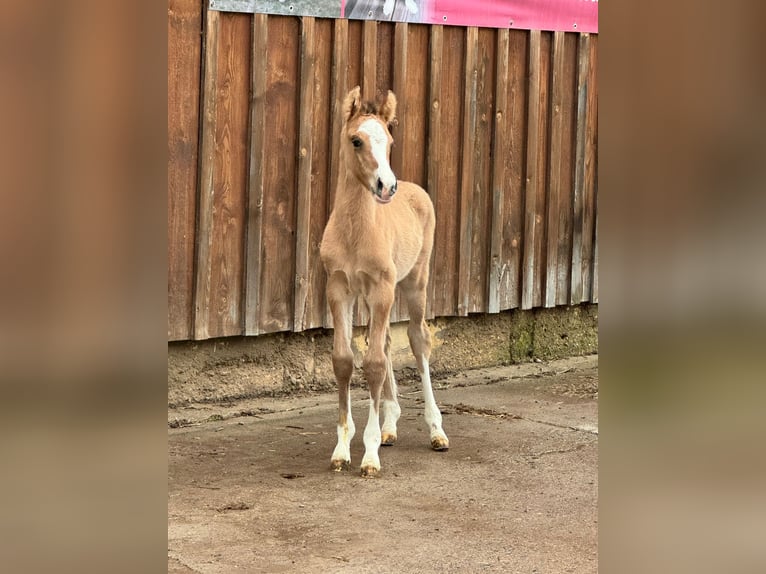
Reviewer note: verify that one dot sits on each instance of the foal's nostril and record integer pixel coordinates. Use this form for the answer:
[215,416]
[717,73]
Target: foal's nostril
[380,185]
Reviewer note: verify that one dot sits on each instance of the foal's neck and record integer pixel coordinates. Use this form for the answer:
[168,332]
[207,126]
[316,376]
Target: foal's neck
[354,202]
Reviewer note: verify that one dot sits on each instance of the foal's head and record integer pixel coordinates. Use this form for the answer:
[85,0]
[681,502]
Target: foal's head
[367,141]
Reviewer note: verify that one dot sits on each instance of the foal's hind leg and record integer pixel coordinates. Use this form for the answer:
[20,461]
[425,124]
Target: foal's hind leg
[390,403]
[414,289]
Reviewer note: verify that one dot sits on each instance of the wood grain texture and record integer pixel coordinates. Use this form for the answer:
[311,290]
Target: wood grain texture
[256,182]
[513,224]
[202,285]
[566,169]
[305,161]
[499,126]
[468,142]
[369,59]
[532,182]
[184,64]
[554,169]
[401,78]
[590,196]
[500,167]
[433,149]
[320,170]
[583,65]
[448,231]
[230,197]
[280,175]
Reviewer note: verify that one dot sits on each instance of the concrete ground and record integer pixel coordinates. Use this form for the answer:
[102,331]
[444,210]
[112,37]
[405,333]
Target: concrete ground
[250,490]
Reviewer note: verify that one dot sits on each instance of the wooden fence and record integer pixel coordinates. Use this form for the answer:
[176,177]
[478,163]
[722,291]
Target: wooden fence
[499,126]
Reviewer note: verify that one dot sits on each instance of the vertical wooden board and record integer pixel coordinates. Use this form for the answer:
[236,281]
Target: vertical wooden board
[369,59]
[307,71]
[384,69]
[447,243]
[590,184]
[467,143]
[222,194]
[258,145]
[401,77]
[355,53]
[280,169]
[497,278]
[184,53]
[516,150]
[541,165]
[481,200]
[531,183]
[433,181]
[566,172]
[554,169]
[413,106]
[583,59]
[339,89]
[400,80]
[320,171]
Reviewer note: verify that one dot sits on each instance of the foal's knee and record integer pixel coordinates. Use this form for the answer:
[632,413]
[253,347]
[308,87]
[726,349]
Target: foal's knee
[343,365]
[374,367]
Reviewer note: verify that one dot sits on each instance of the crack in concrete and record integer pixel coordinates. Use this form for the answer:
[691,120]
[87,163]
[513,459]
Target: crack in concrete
[461,408]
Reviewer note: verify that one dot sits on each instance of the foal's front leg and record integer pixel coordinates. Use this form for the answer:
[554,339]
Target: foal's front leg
[375,366]
[341,304]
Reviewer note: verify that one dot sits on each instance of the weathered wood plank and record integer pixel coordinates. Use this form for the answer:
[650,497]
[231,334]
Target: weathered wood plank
[384,68]
[340,87]
[369,59]
[320,168]
[222,192]
[583,65]
[499,174]
[513,228]
[229,206]
[258,111]
[400,81]
[202,285]
[433,181]
[414,106]
[447,243]
[532,183]
[590,184]
[470,113]
[184,63]
[305,157]
[280,170]
[566,173]
[554,169]
[481,202]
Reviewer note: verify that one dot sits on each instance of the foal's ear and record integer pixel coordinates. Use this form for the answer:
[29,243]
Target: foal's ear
[388,109]
[352,103]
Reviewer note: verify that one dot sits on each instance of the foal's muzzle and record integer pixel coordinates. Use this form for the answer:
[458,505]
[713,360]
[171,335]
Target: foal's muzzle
[383,194]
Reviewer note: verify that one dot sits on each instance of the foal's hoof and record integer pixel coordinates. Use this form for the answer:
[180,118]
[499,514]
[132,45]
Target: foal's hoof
[387,439]
[370,471]
[439,442]
[340,465]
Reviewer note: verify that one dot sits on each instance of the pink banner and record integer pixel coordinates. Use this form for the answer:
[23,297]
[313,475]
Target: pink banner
[562,15]
[566,15]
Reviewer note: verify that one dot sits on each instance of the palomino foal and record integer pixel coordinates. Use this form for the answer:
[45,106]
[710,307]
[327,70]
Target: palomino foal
[380,234]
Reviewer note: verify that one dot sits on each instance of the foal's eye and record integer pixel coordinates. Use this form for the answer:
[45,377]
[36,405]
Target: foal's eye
[356,142]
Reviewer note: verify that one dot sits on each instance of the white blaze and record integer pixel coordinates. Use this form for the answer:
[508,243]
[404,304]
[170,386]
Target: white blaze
[379,148]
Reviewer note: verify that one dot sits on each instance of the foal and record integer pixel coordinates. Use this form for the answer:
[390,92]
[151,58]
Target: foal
[374,241]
